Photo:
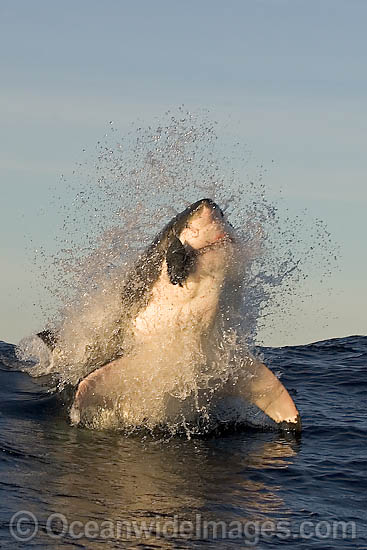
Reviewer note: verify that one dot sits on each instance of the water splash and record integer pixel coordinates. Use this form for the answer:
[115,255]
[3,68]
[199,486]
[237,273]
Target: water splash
[114,204]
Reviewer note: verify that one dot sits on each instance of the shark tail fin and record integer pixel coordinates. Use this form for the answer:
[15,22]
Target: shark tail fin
[49,338]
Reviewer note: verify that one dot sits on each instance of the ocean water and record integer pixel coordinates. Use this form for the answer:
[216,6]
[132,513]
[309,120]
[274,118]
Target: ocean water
[67,487]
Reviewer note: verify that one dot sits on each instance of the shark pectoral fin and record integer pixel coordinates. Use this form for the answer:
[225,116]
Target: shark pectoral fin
[263,389]
[99,390]
[180,261]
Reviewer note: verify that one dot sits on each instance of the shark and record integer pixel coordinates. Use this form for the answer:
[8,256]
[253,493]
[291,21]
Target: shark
[169,357]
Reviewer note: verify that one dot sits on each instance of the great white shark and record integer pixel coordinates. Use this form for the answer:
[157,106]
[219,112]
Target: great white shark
[177,303]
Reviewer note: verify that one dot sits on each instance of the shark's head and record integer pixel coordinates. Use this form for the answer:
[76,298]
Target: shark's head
[200,230]
[202,224]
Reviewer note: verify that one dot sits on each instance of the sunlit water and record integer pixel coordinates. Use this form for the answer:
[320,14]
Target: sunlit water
[48,467]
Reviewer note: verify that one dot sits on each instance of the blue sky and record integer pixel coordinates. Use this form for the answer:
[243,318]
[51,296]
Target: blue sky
[290,74]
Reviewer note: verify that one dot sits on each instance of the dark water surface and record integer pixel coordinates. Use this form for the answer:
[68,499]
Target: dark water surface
[262,490]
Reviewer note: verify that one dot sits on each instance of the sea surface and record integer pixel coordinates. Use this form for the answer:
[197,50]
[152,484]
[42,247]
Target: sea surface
[66,487]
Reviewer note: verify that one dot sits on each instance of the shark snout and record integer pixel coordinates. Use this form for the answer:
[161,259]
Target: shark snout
[206,226]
